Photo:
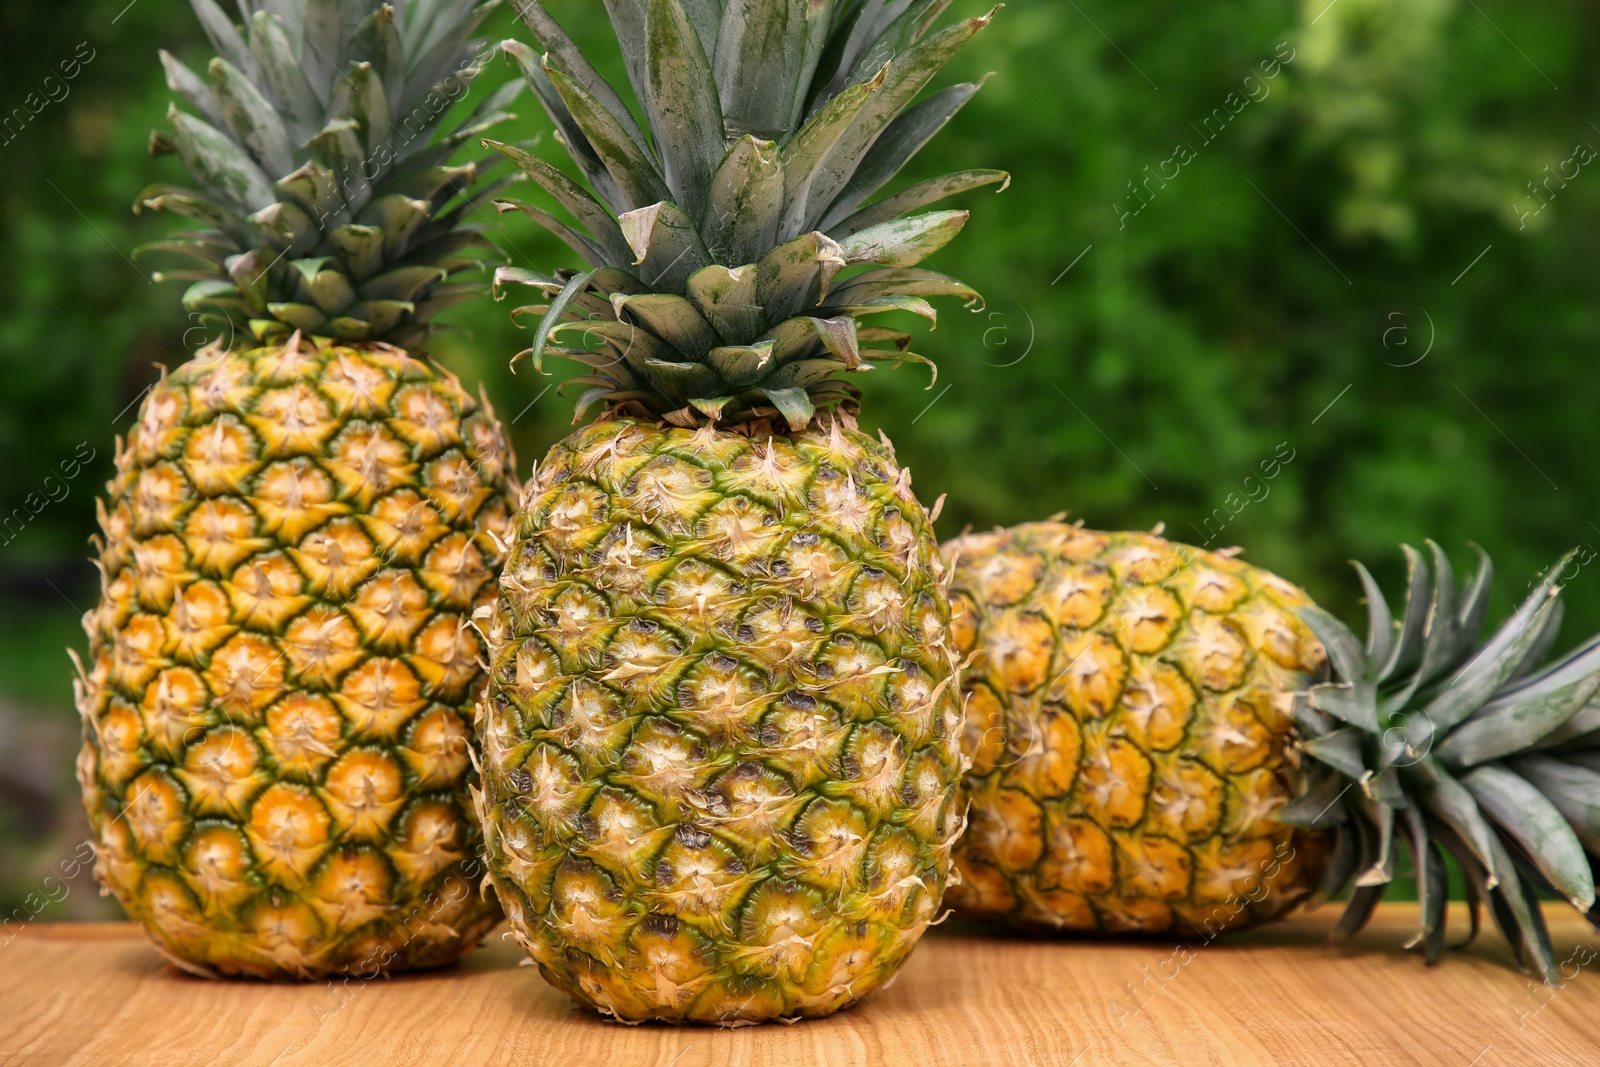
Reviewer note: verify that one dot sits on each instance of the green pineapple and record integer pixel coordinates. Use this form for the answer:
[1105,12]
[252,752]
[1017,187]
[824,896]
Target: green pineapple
[721,745]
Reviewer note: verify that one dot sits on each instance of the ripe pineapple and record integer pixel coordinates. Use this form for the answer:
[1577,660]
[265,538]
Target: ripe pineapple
[275,706]
[1152,747]
[721,742]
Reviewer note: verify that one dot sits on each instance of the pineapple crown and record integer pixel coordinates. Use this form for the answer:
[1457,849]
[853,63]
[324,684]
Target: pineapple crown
[1428,738]
[328,205]
[715,235]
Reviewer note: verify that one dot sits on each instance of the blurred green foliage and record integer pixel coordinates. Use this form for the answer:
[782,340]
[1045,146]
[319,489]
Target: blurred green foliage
[1372,261]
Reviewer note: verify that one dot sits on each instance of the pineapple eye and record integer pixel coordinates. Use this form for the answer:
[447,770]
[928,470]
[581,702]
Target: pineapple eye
[692,836]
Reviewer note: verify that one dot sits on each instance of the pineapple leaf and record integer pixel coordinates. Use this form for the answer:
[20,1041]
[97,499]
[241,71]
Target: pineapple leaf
[1574,790]
[448,62]
[300,316]
[686,116]
[793,404]
[805,152]
[313,188]
[1413,617]
[690,379]
[577,145]
[1475,597]
[1493,664]
[403,284]
[838,336]
[360,96]
[1541,645]
[635,175]
[184,202]
[426,24]
[1344,650]
[888,281]
[339,145]
[740,364]
[556,315]
[219,163]
[330,290]
[802,373]
[223,34]
[745,202]
[592,253]
[904,242]
[1534,823]
[920,195]
[566,56]
[727,298]
[187,84]
[881,304]
[1441,644]
[283,76]
[1380,625]
[707,16]
[671,318]
[1515,720]
[664,244]
[1340,750]
[902,81]
[376,41]
[321,41]
[760,49]
[895,31]
[628,19]
[251,118]
[818,19]
[361,248]
[1449,802]
[1318,807]
[288,225]
[593,216]
[797,274]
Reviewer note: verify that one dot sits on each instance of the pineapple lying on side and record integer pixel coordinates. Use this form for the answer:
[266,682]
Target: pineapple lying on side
[1152,747]
[276,730]
[721,740]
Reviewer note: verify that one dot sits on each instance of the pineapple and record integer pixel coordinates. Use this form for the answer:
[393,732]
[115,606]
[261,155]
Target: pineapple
[1153,747]
[281,666]
[721,740]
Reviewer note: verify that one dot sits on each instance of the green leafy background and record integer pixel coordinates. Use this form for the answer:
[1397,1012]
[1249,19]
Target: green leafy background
[1378,261]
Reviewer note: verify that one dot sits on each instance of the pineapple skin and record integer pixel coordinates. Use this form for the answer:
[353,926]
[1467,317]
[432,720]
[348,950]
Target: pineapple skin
[281,667]
[1129,731]
[722,737]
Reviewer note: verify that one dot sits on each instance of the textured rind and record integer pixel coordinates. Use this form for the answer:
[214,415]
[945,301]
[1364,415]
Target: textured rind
[721,741]
[1128,723]
[281,665]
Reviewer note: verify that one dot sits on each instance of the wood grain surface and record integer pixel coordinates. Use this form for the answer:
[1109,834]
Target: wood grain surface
[97,995]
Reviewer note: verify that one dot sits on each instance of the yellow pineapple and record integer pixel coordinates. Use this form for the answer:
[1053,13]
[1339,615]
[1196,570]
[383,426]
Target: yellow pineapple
[281,664]
[1153,747]
[721,738]
[1129,724]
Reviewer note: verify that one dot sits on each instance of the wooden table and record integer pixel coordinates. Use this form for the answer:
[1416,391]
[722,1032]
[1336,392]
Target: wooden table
[96,995]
